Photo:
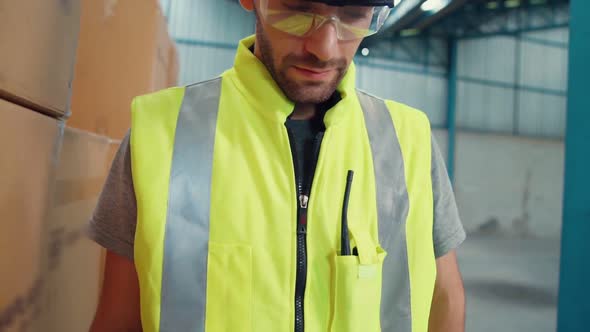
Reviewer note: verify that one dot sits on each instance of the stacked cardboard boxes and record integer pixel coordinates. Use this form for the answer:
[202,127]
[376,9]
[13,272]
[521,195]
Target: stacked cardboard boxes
[51,178]
[124,51]
[52,174]
[72,271]
[29,143]
[38,41]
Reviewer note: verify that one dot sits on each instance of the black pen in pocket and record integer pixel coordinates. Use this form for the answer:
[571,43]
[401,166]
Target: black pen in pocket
[345,241]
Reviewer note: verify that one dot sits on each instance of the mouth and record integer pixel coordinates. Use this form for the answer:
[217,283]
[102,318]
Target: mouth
[312,73]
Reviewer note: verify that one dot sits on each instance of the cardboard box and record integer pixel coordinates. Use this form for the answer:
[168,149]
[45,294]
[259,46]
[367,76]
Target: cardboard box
[29,143]
[124,52]
[74,266]
[38,41]
[51,179]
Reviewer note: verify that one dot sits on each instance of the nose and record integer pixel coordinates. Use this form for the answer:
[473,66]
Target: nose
[323,41]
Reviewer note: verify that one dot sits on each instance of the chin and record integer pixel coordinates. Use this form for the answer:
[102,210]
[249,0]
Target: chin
[306,94]
[310,97]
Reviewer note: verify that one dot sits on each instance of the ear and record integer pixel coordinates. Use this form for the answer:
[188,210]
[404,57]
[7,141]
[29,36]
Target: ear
[247,4]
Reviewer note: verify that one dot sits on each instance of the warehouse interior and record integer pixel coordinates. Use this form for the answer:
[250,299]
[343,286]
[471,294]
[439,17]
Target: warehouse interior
[501,82]
[492,78]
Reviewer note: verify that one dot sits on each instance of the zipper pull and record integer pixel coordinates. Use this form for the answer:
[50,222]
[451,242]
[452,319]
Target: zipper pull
[302,225]
[303,200]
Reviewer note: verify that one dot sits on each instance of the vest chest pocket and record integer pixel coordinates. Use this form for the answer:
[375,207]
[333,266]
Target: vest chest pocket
[229,288]
[357,293]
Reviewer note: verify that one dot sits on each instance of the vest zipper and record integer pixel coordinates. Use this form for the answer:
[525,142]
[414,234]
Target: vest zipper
[303,195]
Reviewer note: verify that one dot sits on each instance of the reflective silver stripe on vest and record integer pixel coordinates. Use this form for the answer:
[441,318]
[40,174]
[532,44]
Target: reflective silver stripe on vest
[184,278]
[392,210]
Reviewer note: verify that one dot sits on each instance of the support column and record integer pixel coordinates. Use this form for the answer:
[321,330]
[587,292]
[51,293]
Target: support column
[574,286]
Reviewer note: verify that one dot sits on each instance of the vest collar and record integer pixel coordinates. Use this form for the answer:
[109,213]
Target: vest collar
[258,87]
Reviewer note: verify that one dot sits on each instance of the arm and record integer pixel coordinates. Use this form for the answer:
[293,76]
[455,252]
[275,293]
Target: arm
[447,312]
[113,227]
[118,308]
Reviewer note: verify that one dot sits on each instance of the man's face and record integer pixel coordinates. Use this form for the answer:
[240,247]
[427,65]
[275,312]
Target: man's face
[307,69]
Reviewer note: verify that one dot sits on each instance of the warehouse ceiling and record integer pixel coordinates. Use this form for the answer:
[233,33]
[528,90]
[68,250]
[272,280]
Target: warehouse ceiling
[458,18]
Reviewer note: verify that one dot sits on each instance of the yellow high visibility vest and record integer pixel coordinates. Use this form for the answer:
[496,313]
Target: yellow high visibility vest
[215,244]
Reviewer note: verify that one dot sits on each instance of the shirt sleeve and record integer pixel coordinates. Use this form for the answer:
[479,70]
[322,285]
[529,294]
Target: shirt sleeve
[114,220]
[448,232]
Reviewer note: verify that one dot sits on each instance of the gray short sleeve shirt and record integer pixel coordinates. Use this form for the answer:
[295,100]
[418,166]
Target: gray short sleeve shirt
[113,222]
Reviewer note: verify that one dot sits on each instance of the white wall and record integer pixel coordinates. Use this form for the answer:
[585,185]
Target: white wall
[516,181]
[514,85]
[201,63]
[215,26]
[408,85]
[210,20]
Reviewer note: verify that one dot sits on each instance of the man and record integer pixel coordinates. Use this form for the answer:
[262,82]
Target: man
[230,206]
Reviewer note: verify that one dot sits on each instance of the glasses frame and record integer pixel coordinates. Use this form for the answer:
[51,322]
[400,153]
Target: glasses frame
[320,20]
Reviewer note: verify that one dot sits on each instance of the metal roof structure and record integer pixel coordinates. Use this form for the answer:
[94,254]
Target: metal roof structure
[474,18]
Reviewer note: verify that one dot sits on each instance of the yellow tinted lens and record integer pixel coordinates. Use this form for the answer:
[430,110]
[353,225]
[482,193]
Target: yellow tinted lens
[352,22]
[362,22]
[294,23]
[348,32]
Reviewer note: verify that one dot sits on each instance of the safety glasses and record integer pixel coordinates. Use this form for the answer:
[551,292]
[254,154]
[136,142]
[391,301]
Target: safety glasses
[301,18]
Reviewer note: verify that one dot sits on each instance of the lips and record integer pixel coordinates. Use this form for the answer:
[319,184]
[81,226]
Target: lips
[311,70]
[312,73]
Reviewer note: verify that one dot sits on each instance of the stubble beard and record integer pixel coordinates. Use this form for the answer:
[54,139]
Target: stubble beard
[303,92]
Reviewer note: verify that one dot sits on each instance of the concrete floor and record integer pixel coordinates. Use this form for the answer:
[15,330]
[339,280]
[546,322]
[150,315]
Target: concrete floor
[511,283]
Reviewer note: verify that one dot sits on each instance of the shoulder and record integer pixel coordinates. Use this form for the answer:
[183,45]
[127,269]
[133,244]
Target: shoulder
[157,99]
[156,110]
[174,95]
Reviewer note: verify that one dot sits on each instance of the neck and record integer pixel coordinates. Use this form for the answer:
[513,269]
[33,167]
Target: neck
[303,111]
